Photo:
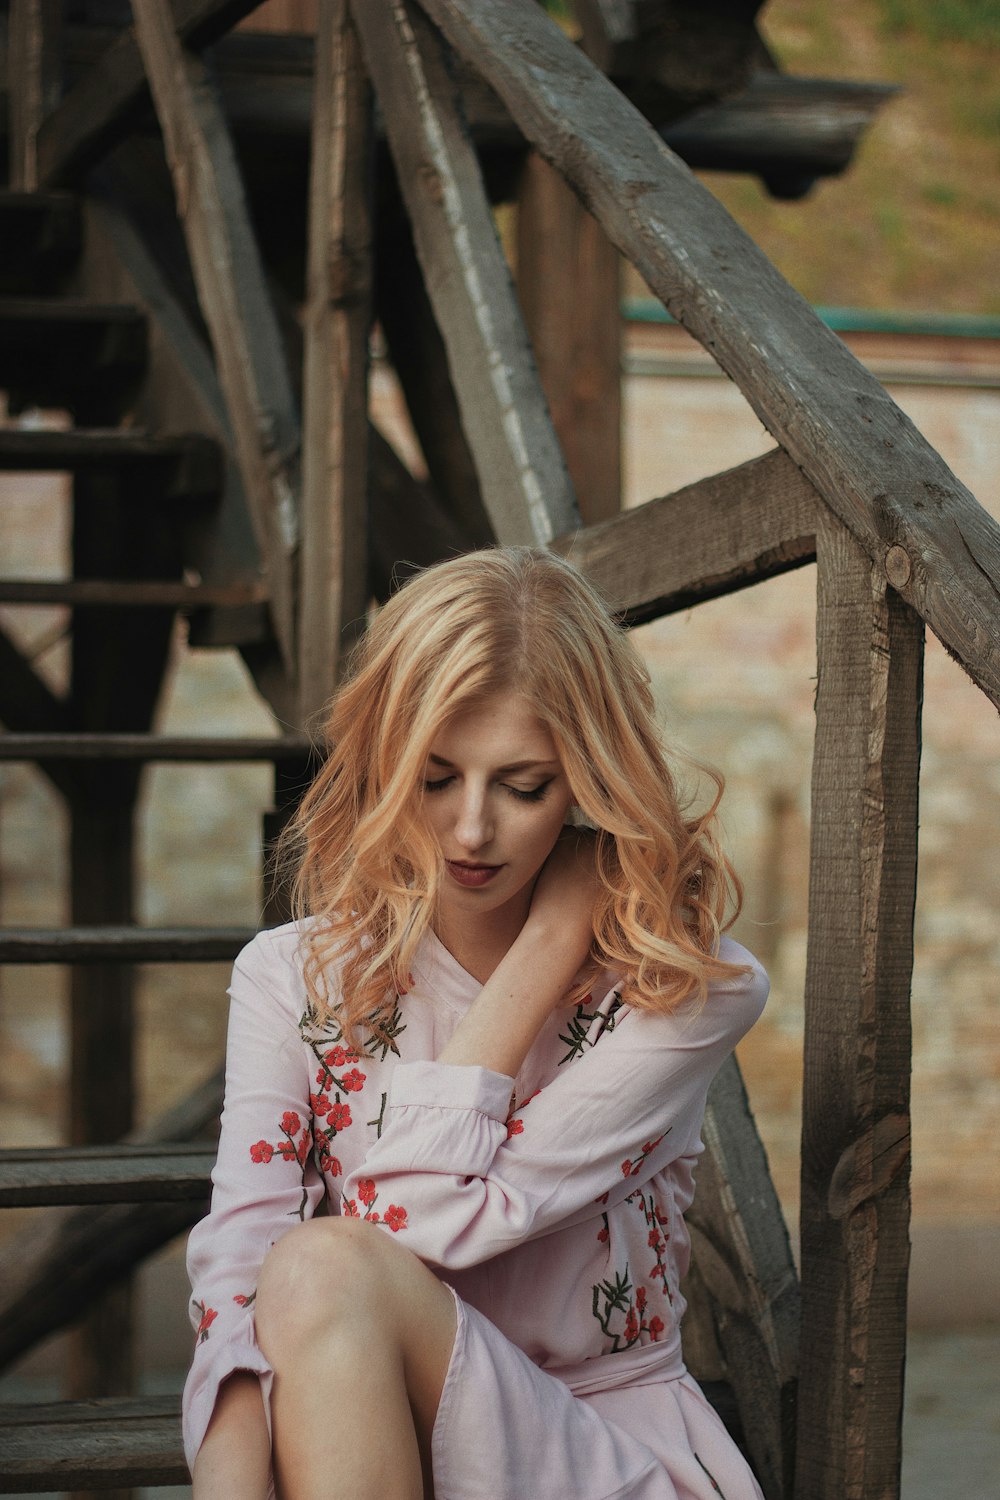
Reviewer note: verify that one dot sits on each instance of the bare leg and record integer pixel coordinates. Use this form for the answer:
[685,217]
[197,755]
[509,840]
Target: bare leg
[359,1334]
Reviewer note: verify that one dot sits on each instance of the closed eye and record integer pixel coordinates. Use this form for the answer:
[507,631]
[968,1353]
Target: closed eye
[534,795]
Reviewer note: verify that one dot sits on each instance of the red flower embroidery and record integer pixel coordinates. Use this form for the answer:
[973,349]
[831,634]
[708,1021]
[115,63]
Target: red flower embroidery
[290,1123]
[655,1328]
[631,1326]
[626,1169]
[339,1117]
[366,1191]
[515,1127]
[245,1299]
[603,1234]
[208,1317]
[353,1081]
[395,1217]
[330,1164]
[654,1239]
[336,1058]
[372,1218]
[350,1209]
[319,1103]
[261,1151]
[640,1298]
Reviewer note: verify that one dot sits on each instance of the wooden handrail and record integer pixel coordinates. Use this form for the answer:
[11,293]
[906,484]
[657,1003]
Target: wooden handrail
[916,521]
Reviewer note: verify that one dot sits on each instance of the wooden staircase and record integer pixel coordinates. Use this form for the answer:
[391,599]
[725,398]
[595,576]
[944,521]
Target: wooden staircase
[253,525]
[135,494]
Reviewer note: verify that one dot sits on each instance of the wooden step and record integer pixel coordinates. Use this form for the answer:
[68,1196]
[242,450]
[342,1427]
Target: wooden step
[65,352]
[91,1445]
[187,465]
[152,748]
[137,945]
[114,593]
[30,1178]
[40,240]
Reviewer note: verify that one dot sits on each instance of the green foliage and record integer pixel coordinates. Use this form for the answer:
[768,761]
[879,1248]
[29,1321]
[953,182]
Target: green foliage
[944,20]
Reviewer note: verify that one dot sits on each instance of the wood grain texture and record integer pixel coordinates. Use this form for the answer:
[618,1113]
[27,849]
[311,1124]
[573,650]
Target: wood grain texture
[855,1131]
[54,1268]
[566,263]
[866,459]
[333,564]
[742,1253]
[91,1444]
[709,538]
[112,1174]
[524,482]
[96,944]
[233,295]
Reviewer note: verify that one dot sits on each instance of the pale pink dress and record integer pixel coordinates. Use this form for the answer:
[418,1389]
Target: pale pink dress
[552,1204]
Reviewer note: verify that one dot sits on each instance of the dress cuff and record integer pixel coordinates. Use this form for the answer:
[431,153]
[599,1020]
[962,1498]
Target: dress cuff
[202,1389]
[451,1086]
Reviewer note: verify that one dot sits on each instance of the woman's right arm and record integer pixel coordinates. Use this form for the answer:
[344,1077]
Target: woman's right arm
[234,1460]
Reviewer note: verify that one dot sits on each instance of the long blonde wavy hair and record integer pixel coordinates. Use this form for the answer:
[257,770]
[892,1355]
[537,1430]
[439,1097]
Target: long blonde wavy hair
[368,868]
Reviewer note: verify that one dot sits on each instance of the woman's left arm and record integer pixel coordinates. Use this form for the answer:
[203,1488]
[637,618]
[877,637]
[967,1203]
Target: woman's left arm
[465,1183]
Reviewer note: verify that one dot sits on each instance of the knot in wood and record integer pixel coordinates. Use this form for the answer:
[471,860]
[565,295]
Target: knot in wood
[898,567]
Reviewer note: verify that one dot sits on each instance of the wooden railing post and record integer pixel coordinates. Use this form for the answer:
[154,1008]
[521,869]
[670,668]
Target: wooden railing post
[333,562]
[565,263]
[856,1121]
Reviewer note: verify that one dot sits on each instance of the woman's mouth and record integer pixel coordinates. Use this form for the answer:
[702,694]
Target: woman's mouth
[471,875]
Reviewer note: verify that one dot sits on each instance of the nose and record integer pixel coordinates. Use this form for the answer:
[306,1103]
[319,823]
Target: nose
[474,826]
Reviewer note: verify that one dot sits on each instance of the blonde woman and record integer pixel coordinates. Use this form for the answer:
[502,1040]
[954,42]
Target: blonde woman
[484,1050]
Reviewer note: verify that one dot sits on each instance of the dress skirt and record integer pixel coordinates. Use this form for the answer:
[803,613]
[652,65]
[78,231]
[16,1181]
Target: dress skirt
[507,1430]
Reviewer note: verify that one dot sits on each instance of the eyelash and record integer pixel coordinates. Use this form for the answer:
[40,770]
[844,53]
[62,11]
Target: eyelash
[535,795]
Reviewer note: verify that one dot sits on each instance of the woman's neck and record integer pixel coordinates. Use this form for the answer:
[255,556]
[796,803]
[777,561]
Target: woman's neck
[479,943]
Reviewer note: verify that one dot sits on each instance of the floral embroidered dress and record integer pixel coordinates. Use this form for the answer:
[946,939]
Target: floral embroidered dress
[552,1204]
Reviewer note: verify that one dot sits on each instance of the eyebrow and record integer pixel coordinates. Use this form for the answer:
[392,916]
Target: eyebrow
[520,765]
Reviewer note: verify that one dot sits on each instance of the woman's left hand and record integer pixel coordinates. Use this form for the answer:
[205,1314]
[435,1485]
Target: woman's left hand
[566,891]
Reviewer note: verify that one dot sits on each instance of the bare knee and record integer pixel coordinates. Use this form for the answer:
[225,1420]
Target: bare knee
[322,1273]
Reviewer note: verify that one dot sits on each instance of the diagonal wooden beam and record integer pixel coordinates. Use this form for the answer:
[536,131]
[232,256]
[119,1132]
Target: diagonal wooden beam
[916,521]
[234,299]
[100,109]
[710,538]
[525,486]
[333,574]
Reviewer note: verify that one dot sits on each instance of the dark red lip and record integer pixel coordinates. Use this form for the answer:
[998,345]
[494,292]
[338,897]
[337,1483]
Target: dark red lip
[471,875]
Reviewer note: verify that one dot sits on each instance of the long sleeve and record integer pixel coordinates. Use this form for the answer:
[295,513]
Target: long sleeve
[462,1183]
[264,1181]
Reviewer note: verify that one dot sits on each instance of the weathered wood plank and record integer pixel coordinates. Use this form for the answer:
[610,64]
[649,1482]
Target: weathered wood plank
[333,577]
[104,1174]
[743,1256]
[149,945]
[856,1122]
[101,107]
[186,466]
[711,538]
[867,460]
[54,1268]
[234,299]
[108,593]
[151,748]
[525,486]
[420,360]
[91,1445]
[565,262]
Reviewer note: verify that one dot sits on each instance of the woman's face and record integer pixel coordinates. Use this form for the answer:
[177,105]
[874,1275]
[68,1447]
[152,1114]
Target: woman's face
[496,797]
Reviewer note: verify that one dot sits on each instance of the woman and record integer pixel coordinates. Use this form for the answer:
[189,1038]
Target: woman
[486,1049]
